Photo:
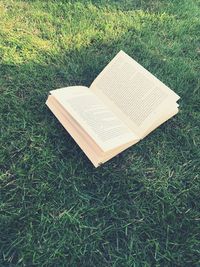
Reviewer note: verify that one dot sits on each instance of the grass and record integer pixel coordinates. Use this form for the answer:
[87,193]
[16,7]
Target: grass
[142,207]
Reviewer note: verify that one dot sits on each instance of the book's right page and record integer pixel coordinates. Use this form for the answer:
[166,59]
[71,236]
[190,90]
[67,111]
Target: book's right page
[133,93]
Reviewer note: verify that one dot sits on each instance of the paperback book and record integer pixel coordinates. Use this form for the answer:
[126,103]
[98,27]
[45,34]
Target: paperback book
[122,106]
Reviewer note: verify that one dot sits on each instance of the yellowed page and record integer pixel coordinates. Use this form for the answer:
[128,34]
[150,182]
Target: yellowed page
[117,151]
[74,131]
[133,93]
[101,124]
[95,155]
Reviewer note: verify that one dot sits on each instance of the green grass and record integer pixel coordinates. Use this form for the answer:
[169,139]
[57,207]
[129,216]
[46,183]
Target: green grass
[142,207]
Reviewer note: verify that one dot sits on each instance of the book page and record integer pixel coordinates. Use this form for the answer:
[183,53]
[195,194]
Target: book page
[132,92]
[96,156]
[101,124]
[81,139]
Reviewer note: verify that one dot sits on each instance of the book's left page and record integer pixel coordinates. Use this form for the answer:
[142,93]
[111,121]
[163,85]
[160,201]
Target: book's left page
[97,120]
[95,155]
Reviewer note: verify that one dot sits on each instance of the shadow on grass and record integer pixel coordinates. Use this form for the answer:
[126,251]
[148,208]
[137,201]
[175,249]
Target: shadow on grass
[25,89]
[50,187]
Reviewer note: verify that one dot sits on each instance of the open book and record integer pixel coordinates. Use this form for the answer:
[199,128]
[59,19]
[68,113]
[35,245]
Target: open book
[123,104]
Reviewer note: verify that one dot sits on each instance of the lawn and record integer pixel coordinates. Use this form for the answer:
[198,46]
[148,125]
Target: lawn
[142,208]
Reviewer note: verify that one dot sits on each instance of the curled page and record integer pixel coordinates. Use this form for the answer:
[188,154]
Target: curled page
[101,124]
